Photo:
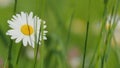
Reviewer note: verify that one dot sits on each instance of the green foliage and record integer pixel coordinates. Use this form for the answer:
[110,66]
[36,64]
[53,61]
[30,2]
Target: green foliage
[66,24]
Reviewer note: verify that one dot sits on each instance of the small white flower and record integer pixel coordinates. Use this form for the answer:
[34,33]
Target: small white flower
[26,28]
[111,20]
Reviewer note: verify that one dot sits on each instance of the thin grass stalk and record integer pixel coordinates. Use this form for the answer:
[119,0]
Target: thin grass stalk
[109,36]
[11,43]
[15,7]
[106,42]
[104,51]
[86,37]
[36,41]
[83,66]
[101,31]
[41,12]
[36,50]
[36,55]
[116,10]
[10,55]
[69,29]
[18,56]
[114,19]
[42,48]
[68,38]
[20,48]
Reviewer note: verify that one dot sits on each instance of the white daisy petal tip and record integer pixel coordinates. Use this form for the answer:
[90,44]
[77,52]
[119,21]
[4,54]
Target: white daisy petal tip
[12,37]
[31,13]
[7,33]
[45,26]
[45,38]
[9,22]
[24,43]
[22,12]
[44,22]
[14,17]
[45,31]
[17,41]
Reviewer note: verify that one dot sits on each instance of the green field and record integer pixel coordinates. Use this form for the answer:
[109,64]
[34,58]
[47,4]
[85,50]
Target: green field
[81,34]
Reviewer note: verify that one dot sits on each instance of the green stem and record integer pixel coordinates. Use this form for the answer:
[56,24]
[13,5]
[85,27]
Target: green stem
[105,46]
[42,48]
[36,55]
[102,28]
[114,12]
[104,53]
[69,29]
[68,39]
[18,56]
[9,54]
[85,45]
[86,37]
[15,6]
[36,45]
[10,46]
[42,56]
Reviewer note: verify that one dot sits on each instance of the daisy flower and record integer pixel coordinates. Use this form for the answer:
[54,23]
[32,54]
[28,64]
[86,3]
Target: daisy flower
[26,28]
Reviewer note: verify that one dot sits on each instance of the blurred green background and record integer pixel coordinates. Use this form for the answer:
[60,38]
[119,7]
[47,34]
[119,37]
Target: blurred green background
[64,41]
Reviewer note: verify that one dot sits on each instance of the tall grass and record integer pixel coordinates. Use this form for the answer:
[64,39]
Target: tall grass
[64,19]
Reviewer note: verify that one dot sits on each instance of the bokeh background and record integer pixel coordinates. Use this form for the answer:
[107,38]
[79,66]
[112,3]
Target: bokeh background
[66,24]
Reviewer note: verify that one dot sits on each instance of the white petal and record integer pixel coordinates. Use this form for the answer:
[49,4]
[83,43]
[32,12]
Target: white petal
[11,24]
[18,39]
[14,37]
[19,20]
[25,41]
[30,42]
[40,43]
[15,17]
[45,32]
[44,38]
[31,20]
[44,26]
[30,15]
[33,44]
[44,22]
[24,16]
[11,32]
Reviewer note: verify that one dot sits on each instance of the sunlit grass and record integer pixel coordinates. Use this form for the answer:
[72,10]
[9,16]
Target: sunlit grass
[78,35]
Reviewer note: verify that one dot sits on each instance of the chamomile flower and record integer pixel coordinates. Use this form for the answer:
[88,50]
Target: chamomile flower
[26,28]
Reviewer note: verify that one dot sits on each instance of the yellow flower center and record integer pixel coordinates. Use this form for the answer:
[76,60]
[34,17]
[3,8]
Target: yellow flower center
[27,29]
